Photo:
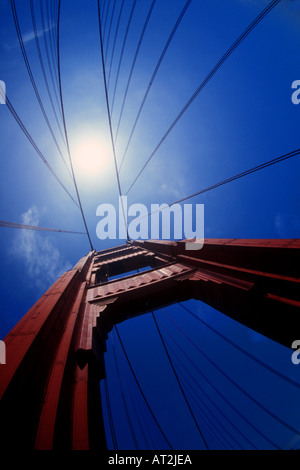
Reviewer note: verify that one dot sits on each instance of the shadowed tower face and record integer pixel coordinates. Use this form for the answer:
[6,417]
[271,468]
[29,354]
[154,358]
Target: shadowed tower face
[49,386]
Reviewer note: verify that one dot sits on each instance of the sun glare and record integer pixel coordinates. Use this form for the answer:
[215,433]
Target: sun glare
[91,156]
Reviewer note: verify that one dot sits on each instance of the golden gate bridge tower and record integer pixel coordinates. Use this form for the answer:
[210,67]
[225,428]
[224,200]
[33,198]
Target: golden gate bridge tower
[49,387]
[55,355]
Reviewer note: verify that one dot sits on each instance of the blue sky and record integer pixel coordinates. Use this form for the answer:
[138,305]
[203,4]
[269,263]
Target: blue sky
[242,118]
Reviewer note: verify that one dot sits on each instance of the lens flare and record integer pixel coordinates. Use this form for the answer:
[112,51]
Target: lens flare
[91,156]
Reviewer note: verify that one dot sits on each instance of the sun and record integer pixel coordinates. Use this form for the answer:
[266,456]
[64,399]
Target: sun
[91,156]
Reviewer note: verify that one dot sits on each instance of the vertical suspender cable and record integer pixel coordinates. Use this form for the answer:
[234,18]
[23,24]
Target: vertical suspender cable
[109,119]
[178,381]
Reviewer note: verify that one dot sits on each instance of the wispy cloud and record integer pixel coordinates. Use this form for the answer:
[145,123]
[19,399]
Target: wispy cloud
[27,38]
[43,261]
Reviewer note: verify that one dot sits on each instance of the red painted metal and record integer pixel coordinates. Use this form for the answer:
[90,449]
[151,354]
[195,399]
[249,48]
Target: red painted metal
[49,387]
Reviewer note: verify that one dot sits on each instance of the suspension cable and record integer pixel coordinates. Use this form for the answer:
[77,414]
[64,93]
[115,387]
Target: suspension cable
[135,403]
[4,223]
[109,30]
[240,388]
[33,83]
[65,127]
[229,403]
[45,37]
[51,37]
[140,389]
[223,59]
[37,42]
[286,156]
[123,397]
[164,51]
[36,148]
[182,351]
[178,381]
[122,53]
[110,418]
[114,43]
[244,351]
[133,65]
[105,17]
[109,120]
